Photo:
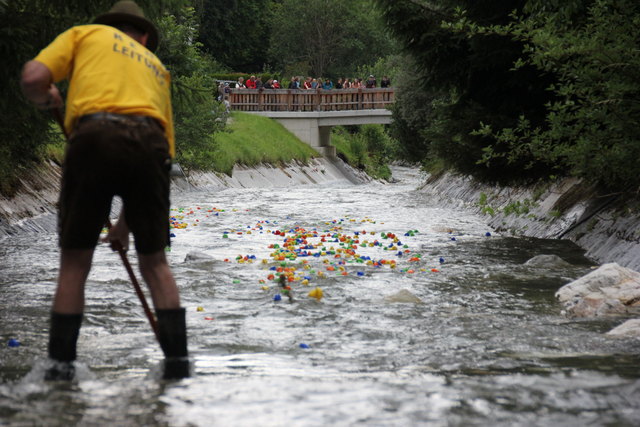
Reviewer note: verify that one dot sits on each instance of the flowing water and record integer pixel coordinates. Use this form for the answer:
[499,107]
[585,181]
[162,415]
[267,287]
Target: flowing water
[486,342]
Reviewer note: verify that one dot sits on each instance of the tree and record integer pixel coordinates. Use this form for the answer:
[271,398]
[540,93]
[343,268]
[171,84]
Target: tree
[236,33]
[545,88]
[326,37]
[591,129]
[26,27]
[197,115]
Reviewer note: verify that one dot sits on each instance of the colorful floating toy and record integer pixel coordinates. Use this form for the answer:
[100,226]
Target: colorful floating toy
[316,293]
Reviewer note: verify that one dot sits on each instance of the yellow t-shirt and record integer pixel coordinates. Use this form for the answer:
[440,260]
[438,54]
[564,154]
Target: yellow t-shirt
[109,71]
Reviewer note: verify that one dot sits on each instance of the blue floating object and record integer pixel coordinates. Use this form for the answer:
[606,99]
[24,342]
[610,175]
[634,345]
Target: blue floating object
[274,268]
[487,234]
[277,297]
[172,235]
[360,273]
[303,345]
[13,343]
[453,238]
[441,260]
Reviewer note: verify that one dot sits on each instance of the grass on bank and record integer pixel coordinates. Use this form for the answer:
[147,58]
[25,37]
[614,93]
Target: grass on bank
[251,139]
[365,147]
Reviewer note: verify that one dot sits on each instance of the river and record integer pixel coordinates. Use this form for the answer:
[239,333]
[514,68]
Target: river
[483,342]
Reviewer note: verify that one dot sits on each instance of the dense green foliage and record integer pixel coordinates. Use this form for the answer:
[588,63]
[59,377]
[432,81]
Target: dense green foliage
[29,25]
[236,32]
[326,37]
[521,90]
[592,126]
[366,147]
[291,37]
[466,79]
[197,115]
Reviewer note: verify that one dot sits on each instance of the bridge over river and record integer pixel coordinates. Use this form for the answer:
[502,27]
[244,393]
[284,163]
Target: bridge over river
[310,114]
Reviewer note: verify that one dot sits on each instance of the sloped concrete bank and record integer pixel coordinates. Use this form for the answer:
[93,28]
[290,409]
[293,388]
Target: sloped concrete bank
[606,226]
[33,208]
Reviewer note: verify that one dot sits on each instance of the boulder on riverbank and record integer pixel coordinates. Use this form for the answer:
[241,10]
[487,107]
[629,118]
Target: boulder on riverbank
[609,290]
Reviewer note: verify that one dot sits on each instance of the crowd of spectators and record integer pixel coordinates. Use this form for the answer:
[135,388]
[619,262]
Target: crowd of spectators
[311,83]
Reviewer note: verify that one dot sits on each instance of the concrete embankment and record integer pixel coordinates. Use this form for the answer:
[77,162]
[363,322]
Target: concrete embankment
[33,208]
[606,226]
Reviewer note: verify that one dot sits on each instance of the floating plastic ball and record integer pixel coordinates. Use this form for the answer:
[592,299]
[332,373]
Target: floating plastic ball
[13,343]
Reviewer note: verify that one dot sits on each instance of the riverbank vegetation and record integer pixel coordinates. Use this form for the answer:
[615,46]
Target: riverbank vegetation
[366,147]
[520,91]
[199,39]
[27,134]
[250,140]
[507,92]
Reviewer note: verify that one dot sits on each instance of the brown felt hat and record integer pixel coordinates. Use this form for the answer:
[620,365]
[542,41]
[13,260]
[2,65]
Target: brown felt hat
[129,12]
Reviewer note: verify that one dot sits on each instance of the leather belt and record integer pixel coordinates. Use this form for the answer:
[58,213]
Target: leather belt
[120,118]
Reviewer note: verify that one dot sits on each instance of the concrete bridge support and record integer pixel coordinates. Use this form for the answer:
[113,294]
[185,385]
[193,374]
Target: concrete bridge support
[314,128]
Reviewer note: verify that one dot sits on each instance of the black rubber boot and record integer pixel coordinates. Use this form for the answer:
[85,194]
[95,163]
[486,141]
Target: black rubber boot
[172,334]
[63,337]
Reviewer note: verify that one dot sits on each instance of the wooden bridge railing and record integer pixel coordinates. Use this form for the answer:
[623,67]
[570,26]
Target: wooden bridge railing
[310,99]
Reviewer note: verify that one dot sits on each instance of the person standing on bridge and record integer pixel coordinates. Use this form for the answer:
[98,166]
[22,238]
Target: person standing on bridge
[119,116]
[251,83]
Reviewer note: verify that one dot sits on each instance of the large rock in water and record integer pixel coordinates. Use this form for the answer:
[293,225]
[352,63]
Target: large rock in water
[403,296]
[195,256]
[609,290]
[630,328]
[547,261]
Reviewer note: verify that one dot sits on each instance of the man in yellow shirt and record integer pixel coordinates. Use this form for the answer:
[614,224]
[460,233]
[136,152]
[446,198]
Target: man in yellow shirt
[119,118]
